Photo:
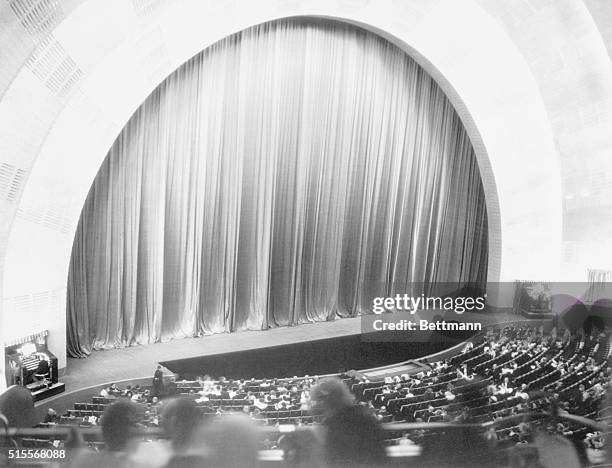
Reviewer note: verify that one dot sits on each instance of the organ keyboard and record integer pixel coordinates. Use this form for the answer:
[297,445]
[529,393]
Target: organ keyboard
[30,362]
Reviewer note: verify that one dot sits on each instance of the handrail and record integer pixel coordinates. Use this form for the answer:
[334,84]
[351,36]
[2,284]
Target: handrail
[62,431]
[609,407]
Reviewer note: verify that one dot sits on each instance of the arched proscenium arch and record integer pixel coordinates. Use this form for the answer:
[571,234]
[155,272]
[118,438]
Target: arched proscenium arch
[123,54]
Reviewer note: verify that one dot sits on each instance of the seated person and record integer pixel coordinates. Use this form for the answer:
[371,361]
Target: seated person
[449,393]
[260,403]
[522,392]
[43,371]
[352,434]
[463,373]
[505,387]
[51,417]
[509,369]
[118,425]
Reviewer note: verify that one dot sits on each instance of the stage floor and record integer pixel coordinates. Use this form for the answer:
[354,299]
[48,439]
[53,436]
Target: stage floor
[115,365]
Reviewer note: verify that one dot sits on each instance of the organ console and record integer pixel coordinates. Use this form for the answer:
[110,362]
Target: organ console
[30,363]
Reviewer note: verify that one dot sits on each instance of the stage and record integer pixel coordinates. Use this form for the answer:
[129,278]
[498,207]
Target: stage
[115,365]
[139,362]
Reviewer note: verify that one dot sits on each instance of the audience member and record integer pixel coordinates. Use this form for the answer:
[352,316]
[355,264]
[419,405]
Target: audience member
[352,434]
[118,422]
[180,419]
[229,442]
[51,416]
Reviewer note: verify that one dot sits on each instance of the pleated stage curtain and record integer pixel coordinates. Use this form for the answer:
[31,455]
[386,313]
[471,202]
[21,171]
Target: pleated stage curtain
[287,174]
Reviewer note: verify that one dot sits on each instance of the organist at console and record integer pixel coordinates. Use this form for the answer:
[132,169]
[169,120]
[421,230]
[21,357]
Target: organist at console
[32,365]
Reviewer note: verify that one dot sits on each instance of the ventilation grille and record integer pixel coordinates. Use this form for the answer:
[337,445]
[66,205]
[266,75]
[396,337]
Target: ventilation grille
[53,217]
[11,181]
[50,63]
[146,7]
[37,16]
[35,306]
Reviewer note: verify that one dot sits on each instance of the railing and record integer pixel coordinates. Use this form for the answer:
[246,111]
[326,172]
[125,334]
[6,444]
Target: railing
[271,457]
[95,432]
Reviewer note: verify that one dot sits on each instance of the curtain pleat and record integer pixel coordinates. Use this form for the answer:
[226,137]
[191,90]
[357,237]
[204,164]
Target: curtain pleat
[287,174]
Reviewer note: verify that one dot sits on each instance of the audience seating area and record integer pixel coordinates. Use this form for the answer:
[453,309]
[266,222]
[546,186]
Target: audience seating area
[504,373]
